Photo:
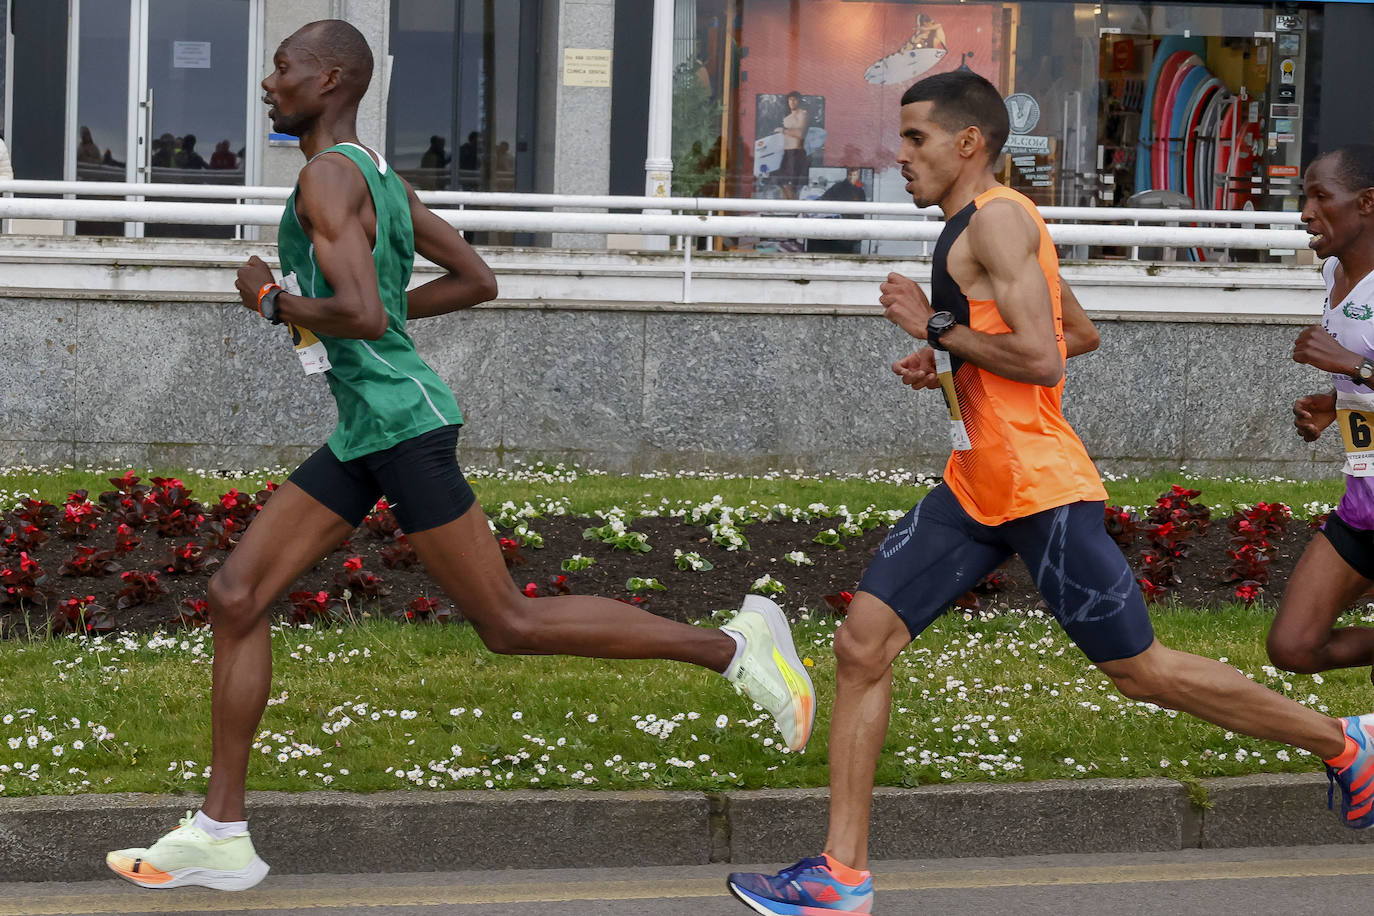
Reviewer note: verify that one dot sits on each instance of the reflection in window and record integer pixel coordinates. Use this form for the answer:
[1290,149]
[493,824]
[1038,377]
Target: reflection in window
[1111,104]
[460,100]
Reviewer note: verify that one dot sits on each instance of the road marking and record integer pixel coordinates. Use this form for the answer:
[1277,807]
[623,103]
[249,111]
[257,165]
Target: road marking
[290,899]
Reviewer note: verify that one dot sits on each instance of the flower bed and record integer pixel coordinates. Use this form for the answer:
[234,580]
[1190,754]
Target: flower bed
[138,557]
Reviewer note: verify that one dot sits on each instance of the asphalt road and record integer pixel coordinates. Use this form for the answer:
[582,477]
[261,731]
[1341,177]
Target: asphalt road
[1328,880]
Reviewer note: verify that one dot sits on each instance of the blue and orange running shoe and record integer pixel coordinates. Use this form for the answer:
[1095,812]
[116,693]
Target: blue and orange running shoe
[805,889]
[1353,771]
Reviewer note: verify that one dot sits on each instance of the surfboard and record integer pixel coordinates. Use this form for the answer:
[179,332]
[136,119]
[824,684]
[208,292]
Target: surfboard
[1181,122]
[1166,47]
[903,65]
[1247,146]
[1221,164]
[1207,146]
[1168,126]
[1181,156]
[1158,128]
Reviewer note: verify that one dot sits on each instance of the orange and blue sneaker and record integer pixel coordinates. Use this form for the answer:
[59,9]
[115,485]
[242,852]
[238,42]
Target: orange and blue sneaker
[809,888]
[1353,771]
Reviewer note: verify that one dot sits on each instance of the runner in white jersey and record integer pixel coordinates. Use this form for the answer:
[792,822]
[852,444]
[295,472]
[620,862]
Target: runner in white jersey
[1338,565]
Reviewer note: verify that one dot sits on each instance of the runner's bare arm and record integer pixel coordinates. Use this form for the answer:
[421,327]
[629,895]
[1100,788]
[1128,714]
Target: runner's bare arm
[331,201]
[1004,241]
[1079,334]
[1317,348]
[468,280]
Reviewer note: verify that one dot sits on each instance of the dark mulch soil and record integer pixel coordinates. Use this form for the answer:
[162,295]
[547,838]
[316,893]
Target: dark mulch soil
[689,595]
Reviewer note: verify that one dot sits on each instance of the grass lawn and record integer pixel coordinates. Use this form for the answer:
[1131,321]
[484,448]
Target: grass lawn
[382,705]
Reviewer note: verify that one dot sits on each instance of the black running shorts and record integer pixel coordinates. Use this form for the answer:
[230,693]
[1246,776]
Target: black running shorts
[1355,545]
[937,552]
[420,478]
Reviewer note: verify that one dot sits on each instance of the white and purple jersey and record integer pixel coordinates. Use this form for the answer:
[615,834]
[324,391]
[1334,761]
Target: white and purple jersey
[1351,322]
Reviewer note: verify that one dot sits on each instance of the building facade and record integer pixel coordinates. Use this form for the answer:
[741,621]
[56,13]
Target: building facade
[1218,103]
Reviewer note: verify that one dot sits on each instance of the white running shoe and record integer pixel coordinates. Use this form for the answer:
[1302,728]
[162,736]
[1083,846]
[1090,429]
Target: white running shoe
[769,672]
[187,856]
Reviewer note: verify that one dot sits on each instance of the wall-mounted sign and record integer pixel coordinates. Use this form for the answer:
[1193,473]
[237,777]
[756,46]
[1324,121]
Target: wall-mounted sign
[1023,112]
[1024,143]
[191,55]
[587,67]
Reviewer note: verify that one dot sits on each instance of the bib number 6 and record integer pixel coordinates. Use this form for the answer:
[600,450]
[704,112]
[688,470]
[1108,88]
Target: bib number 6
[1357,432]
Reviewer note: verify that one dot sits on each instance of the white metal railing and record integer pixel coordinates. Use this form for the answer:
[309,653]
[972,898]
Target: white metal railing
[224,205]
[768,227]
[521,201]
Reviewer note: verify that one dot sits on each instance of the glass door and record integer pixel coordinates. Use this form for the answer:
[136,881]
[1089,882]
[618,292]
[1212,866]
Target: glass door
[194,106]
[162,94]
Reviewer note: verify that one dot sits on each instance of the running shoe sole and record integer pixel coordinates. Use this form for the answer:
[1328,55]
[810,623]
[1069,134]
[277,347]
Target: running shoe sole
[782,640]
[144,875]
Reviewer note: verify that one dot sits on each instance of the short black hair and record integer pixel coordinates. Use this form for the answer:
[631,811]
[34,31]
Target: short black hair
[339,44]
[794,94]
[963,98]
[1354,165]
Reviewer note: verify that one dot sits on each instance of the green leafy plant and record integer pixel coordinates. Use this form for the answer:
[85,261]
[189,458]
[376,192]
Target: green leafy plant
[693,561]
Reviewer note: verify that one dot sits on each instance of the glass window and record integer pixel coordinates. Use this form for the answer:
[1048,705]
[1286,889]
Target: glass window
[102,100]
[1112,104]
[460,106]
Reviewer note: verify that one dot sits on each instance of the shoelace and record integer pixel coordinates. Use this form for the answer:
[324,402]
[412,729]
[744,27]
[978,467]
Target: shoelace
[791,872]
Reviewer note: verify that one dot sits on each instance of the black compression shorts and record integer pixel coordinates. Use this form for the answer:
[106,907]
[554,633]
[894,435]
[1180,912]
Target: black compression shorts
[937,552]
[420,478]
[1355,545]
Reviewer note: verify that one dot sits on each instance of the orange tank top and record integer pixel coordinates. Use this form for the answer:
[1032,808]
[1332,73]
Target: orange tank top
[1014,453]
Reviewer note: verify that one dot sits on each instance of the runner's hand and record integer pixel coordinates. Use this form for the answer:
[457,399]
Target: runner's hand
[905,305]
[251,278]
[918,369]
[1313,413]
[1317,348]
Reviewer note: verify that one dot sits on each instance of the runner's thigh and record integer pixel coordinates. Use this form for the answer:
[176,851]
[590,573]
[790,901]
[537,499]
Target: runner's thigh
[930,558]
[1085,579]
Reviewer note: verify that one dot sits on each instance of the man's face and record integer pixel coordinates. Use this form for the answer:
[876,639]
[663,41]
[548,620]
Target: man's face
[1336,216]
[291,89]
[928,155]
[793,102]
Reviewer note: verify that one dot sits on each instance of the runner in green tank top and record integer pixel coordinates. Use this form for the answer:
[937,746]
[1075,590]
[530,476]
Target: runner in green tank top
[348,240]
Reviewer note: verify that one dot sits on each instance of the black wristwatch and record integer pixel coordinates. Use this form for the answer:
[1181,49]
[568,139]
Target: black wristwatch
[267,305]
[1363,373]
[938,324]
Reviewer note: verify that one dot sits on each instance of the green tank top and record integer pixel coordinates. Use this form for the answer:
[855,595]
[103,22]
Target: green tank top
[384,391]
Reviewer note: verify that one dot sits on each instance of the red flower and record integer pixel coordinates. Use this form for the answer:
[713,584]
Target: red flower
[353,563]
[531,590]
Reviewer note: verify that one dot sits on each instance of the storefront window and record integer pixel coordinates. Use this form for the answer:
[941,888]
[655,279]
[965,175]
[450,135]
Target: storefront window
[461,101]
[1111,104]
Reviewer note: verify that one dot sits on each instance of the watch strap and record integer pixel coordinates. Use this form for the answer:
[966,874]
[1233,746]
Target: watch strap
[268,293]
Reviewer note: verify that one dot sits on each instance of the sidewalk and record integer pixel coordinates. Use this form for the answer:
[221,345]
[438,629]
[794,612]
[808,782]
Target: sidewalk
[65,838]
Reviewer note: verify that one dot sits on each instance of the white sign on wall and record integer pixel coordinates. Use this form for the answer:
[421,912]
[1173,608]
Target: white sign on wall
[191,55]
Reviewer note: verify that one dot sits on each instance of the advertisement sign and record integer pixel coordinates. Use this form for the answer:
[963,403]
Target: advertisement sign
[850,64]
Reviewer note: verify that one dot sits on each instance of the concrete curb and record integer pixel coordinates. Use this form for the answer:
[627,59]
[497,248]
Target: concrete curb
[65,838]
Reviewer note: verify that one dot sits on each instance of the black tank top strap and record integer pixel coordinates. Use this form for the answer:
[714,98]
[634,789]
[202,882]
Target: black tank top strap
[945,294]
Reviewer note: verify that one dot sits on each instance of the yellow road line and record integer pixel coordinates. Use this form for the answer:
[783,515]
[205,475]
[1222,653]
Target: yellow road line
[289,899]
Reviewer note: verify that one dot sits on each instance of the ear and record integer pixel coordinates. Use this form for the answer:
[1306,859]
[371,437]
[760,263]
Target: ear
[970,142]
[330,79]
[1365,202]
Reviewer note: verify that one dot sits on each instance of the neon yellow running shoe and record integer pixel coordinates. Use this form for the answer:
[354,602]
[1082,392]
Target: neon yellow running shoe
[188,855]
[769,672]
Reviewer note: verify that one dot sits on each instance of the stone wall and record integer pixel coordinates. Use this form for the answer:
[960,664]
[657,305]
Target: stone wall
[128,378]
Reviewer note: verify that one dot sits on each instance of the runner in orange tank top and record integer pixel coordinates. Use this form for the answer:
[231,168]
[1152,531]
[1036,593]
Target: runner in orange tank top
[1024,456]
[1000,323]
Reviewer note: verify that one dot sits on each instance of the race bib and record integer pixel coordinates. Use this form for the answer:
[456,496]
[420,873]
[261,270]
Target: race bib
[958,433]
[1355,417]
[309,350]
